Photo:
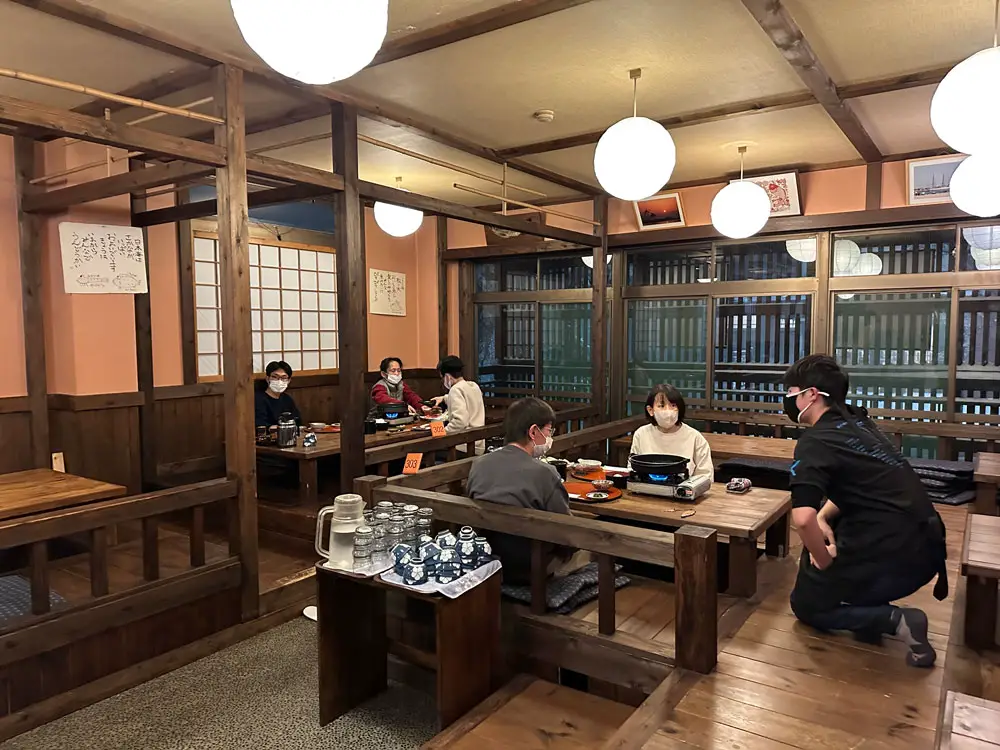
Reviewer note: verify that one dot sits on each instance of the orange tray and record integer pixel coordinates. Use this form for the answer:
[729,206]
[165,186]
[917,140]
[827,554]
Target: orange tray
[587,476]
[585,488]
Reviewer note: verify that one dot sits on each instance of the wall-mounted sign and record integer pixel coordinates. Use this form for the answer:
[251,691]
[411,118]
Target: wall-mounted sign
[99,259]
[386,292]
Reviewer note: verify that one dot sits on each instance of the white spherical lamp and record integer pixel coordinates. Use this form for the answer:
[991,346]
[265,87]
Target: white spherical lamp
[985,238]
[804,250]
[634,158]
[397,221]
[588,261]
[974,186]
[867,264]
[965,108]
[845,255]
[740,209]
[314,41]
[986,259]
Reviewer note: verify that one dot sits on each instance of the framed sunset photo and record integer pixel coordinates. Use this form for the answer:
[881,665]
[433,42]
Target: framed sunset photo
[662,211]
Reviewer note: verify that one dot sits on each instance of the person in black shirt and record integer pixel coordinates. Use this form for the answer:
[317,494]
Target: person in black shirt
[870,533]
[271,403]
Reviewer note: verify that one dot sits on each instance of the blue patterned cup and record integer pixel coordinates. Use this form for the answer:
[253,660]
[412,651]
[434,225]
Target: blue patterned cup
[415,572]
[484,552]
[446,539]
[448,556]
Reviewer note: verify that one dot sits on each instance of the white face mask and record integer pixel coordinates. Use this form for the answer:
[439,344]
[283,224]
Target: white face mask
[540,451]
[448,382]
[394,379]
[277,386]
[665,417]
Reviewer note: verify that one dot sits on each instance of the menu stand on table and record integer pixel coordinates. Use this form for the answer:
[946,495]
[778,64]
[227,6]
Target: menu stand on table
[353,644]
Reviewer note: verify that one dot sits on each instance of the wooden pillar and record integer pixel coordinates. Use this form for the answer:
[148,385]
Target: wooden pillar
[352,296]
[599,313]
[237,359]
[442,269]
[467,315]
[695,574]
[144,352]
[185,273]
[30,241]
[618,327]
[873,186]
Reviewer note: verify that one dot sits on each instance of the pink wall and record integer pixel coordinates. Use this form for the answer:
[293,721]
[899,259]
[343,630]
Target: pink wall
[832,191]
[426,293]
[893,184]
[164,298]
[12,328]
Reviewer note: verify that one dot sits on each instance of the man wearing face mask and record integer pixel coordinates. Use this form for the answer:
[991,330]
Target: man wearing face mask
[466,409]
[871,535]
[272,402]
[390,389]
[513,476]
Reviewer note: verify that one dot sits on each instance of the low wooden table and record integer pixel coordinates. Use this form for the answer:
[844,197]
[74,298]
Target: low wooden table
[353,645]
[986,472]
[24,493]
[328,444]
[742,518]
[726,446]
[981,567]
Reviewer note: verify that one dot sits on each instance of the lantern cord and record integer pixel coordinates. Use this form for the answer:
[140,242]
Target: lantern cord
[742,150]
[635,85]
[996,22]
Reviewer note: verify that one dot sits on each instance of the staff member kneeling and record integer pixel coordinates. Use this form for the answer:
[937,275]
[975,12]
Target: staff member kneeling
[870,533]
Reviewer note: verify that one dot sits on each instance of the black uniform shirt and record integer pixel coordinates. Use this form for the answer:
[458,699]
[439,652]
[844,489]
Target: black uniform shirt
[268,410]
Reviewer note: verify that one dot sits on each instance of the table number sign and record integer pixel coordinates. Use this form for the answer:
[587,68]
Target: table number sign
[437,429]
[412,463]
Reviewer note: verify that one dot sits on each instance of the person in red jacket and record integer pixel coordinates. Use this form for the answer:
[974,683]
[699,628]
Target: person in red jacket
[390,389]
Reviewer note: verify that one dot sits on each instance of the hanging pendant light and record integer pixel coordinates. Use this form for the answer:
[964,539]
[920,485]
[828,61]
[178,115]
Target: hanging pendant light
[846,254]
[965,108]
[804,250]
[741,209]
[588,261]
[636,156]
[397,221]
[314,41]
[973,186]
[984,246]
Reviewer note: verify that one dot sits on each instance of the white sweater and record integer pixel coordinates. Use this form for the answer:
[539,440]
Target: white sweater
[685,441]
[466,410]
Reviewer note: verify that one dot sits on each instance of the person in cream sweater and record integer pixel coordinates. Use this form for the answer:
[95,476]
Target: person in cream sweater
[466,410]
[666,433]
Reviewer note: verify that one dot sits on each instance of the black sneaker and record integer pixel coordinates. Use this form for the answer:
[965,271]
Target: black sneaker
[911,628]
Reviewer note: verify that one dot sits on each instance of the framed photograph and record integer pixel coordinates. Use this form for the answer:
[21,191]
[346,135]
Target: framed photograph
[783,189]
[929,180]
[662,211]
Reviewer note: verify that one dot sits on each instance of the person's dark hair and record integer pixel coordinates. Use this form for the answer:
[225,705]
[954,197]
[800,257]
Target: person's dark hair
[524,413]
[278,365]
[451,365]
[384,364]
[819,371]
[672,395]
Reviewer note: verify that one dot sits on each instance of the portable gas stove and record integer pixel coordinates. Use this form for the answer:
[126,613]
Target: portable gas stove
[665,476]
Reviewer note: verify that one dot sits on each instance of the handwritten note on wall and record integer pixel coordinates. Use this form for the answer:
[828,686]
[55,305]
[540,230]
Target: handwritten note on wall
[99,259]
[387,292]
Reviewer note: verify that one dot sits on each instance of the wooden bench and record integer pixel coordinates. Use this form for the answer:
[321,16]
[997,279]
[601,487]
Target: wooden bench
[986,472]
[981,566]
[969,723]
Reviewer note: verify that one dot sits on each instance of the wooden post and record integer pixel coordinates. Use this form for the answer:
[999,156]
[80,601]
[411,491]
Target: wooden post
[185,272]
[366,486]
[599,313]
[237,359]
[39,566]
[442,268]
[539,577]
[467,316]
[618,407]
[695,573]
[144,353]
[31,304]
[606,594]
[352,296]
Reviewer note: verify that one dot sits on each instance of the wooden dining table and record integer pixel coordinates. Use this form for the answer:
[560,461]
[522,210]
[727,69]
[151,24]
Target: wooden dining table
[26,493]
[726,446]
[328,444]
[743,519]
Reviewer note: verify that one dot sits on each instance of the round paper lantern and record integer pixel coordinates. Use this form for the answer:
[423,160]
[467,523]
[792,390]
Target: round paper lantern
[974,187]
[588,261]
[314,41]
[634,158]
[740,209]
[965,108]
[804,251]
[867,264]
[845,255]
[398,221]
[986,238]
[986,259]
[845,296]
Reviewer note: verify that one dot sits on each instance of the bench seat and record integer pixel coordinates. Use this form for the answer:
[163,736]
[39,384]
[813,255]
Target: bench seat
[981,566]
[969,723]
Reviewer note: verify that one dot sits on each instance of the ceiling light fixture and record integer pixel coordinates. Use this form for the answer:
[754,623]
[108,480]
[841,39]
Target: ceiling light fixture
[636,156]
[397,221]
[295,36]
[973,186]
[740,209]
[984,246]
[804,250]
[965,107]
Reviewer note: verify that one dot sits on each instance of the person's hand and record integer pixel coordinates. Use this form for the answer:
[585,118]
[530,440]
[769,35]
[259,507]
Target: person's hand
[426,409]
[831,550]
[827,530]
[437,400]
[413,412]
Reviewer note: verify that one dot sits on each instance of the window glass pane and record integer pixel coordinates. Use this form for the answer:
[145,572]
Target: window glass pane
[895,348]
[513,275]
[506,346]
[756,339]
[980,248]
[567,273]
[776,259]
[666,344]
[325,261]
[307,260]
[204,249]
[893,253]
[209,365]
[289,257]
[978,387]
[566,350]
[677,266]
[269,256]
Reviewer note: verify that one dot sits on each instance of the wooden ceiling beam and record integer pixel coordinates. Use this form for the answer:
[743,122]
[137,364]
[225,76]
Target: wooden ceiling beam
[150,90]
[493,19]
[492,251]
[201,209]
[786,35]
[65,123]
[266,166]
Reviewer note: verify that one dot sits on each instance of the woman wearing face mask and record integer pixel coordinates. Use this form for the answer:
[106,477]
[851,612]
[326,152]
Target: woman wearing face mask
[273,401]
[466,410]
[667,434]
[390,389]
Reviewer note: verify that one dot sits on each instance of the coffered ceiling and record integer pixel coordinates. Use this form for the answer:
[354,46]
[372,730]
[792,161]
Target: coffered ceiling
[708,63]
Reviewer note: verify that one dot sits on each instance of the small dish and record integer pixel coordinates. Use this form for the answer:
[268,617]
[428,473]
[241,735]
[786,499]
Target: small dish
[588,464]
[602,485]
[317,425]
[597,495]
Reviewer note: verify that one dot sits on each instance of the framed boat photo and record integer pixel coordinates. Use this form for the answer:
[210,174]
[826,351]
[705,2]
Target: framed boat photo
[929,180]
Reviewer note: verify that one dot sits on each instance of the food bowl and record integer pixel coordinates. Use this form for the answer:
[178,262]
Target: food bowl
[602,485]
[318,425]
[588,464]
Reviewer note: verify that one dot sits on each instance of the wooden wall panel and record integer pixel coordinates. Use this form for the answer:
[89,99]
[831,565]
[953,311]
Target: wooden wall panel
[100,443]
[15,442]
